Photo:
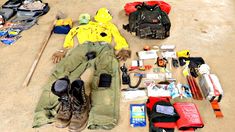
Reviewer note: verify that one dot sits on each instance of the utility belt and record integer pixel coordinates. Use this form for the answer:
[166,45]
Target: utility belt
[155,31]
[96,43]
[92,54]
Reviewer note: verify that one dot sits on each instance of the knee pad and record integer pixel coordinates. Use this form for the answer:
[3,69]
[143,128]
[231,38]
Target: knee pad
[91,55]
[105,80]
[60,86]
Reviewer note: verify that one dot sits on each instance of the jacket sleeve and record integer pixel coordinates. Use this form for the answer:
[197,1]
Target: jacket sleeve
[68,42]
[118,39]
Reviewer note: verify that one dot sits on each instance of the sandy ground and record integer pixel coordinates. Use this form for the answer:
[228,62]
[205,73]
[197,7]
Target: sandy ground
[205,27]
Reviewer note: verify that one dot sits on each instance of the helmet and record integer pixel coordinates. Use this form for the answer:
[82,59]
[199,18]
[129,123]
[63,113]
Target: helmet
[103,15]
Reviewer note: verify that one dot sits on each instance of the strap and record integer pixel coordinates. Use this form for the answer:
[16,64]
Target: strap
[138,63]
[137,84]
[217,110]
[216,92]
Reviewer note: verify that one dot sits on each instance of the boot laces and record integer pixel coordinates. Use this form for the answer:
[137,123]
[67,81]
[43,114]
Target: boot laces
[65,105]
[78,112]
[78,106]
[78,109]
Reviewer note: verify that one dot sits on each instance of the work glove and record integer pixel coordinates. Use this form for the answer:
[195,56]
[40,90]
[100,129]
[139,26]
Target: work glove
[123,54]
[58,55]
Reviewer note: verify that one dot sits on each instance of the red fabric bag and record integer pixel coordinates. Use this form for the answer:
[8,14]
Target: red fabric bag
[150,104]
[130,7]
[189,116]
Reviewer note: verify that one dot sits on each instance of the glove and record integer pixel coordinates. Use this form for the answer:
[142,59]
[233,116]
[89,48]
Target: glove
[58,55]
[123,54]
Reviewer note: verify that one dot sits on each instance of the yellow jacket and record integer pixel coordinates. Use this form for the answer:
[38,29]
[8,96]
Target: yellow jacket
[94,32]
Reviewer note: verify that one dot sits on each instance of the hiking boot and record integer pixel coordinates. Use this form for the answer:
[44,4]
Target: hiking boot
[80,106]
[60,88]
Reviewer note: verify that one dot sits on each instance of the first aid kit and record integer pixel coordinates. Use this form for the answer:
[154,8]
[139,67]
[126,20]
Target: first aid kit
[211,87]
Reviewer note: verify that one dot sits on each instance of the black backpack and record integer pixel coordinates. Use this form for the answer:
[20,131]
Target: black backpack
[149,22]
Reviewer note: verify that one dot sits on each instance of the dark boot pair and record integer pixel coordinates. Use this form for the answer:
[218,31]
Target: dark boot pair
[74,104]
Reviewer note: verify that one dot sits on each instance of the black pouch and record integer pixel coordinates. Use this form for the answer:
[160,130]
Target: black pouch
[90,55]
[195,62]
[105,80]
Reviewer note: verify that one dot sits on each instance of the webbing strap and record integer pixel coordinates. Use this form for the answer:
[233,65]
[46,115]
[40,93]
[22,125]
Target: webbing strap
[216,108]
[214,87]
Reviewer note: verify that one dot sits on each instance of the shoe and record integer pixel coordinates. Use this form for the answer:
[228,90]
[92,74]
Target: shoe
[61,89]
[80,106]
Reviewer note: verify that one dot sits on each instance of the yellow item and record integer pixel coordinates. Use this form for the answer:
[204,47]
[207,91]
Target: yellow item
[13,32]
[96,31]
[64,22]
[103,15]
[186,69]
[183,53]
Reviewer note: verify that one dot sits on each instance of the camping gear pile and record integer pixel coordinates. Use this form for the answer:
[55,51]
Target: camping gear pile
[158,84]
[150,20]
[19,15]
[154,68]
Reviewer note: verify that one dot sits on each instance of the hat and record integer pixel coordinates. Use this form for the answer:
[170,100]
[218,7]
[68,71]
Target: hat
[84,18]
[103,15]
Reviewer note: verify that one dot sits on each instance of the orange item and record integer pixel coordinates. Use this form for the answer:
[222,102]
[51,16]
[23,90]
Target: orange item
[161,62]
[131,7]
[216,108]
[148,67]
[146,48]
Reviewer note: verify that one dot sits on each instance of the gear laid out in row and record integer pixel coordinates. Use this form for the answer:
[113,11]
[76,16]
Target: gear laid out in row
[151,77]
[157,87]
[19,15]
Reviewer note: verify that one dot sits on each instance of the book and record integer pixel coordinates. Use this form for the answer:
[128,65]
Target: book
[137,115]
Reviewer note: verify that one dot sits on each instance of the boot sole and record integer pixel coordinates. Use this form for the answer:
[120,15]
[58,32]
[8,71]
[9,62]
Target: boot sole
[79,129]
[62,125]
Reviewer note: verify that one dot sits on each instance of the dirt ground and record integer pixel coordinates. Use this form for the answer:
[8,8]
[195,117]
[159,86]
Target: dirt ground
[205,27]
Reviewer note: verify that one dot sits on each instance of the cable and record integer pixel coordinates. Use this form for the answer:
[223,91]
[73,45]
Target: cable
[138,83]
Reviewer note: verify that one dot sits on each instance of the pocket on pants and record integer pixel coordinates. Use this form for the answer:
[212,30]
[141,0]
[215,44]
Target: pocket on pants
[102,81]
